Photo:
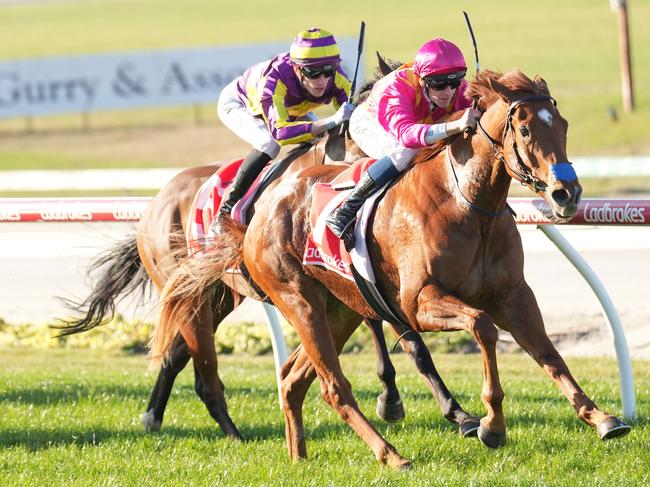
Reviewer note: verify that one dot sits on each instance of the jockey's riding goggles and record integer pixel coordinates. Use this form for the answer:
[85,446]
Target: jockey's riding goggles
[314,72]
[440,81]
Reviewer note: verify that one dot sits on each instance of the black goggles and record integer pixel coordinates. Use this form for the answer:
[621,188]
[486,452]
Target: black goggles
[313,73]
[439,84]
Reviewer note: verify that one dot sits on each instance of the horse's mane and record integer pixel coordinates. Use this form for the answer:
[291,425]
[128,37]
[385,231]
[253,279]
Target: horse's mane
[483,88]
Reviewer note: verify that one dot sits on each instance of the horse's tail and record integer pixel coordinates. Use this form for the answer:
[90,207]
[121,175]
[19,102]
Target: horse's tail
[194,283]
[120,274]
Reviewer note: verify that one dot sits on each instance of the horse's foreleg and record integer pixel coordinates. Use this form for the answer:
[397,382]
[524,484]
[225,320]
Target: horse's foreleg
[413,344]
[389,403]
[437,311]
[520,316]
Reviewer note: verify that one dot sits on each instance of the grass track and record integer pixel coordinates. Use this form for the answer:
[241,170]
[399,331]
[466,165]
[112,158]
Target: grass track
[71,417]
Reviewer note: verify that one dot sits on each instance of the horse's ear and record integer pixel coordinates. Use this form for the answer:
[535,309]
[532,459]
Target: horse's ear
[504,93]
[384,68]
[542,86]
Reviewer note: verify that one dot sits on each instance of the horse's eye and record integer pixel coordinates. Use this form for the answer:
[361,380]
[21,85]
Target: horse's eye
[523,130]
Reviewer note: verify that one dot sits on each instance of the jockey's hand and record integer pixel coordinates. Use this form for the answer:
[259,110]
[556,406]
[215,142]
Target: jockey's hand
[469,119]
[343,114]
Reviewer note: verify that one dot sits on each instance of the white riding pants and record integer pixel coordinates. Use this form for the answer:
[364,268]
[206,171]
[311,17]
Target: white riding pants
[234,115]
[376,142]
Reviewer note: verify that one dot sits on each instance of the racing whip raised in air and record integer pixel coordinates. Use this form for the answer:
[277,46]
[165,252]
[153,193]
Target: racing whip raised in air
[362,31]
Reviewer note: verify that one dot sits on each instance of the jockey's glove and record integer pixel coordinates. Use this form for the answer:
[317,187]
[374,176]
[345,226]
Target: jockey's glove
[343,114]
[467,120]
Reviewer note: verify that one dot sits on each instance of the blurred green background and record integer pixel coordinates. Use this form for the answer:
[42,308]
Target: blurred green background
[572,44]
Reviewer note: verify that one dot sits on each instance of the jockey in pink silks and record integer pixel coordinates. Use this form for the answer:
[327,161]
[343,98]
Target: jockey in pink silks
[404,112]
[271,104]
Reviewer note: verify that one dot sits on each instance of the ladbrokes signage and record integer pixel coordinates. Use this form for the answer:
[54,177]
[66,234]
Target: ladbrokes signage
[591,211]
[624,213]
[75,84]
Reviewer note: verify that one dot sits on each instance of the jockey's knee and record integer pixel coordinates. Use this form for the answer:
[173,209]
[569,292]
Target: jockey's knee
[402,157]
[270,147]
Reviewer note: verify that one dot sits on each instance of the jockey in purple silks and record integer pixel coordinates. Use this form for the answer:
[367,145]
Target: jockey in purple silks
[404,112]
[271,104]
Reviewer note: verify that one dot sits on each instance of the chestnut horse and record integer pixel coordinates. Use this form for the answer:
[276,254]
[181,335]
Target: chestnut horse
[445,249]
[152,255]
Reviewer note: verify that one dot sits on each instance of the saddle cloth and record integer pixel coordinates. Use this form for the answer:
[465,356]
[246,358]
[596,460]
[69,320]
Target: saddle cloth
[326,249]
[208,200]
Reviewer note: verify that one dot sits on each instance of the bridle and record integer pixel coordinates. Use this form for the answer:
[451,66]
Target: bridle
[521,172]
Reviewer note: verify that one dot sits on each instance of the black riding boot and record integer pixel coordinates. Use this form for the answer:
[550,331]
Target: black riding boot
[341,219]
[248,171]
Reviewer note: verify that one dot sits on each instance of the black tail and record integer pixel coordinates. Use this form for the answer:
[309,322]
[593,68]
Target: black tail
[120,274]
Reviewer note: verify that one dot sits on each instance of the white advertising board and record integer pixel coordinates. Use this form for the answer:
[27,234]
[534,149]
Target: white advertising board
[76,84]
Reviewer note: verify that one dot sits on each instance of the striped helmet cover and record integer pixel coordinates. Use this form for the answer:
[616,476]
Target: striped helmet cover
[315,47]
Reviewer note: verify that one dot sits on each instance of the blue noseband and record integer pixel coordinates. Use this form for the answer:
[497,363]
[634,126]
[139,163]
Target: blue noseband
[563,171]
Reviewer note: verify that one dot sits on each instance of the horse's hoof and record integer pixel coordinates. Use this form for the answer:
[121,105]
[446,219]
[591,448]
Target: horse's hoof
[492,440]
[391,413]
[398,462]
[612,427]
[149,422]
[469,428]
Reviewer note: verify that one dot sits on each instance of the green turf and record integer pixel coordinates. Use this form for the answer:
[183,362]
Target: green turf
[72,418]
[573,45]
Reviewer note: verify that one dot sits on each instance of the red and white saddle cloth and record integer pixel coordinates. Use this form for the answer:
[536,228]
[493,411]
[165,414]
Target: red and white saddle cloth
[323,247]
[207,201]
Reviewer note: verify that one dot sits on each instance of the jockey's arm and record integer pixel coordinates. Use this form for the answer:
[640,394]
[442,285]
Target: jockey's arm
[438,131]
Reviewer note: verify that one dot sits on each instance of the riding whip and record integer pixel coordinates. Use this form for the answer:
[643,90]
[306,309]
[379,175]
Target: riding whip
[362,31]
[471,33]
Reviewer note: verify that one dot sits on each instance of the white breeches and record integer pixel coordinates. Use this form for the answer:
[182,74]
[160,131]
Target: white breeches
[236,117]
[376,142]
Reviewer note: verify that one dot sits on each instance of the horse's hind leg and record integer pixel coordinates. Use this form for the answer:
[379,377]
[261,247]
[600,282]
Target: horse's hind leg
[296,376]
[419,353]
[199,338]
[298,373]
[520,316]
[173,365]
[306,312]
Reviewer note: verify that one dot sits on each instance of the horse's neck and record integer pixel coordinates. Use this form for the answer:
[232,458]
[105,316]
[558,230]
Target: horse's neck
[481,178]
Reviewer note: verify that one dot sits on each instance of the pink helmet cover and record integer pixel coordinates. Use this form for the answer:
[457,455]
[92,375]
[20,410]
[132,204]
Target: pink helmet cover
[438,56]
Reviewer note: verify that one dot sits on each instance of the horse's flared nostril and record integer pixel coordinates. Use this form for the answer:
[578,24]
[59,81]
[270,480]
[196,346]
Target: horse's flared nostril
[561,196]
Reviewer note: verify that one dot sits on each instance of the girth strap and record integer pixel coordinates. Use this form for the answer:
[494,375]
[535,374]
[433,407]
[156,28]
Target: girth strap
[375,300]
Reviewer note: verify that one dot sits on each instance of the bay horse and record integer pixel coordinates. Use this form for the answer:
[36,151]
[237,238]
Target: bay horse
[152,255]
[446,254]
